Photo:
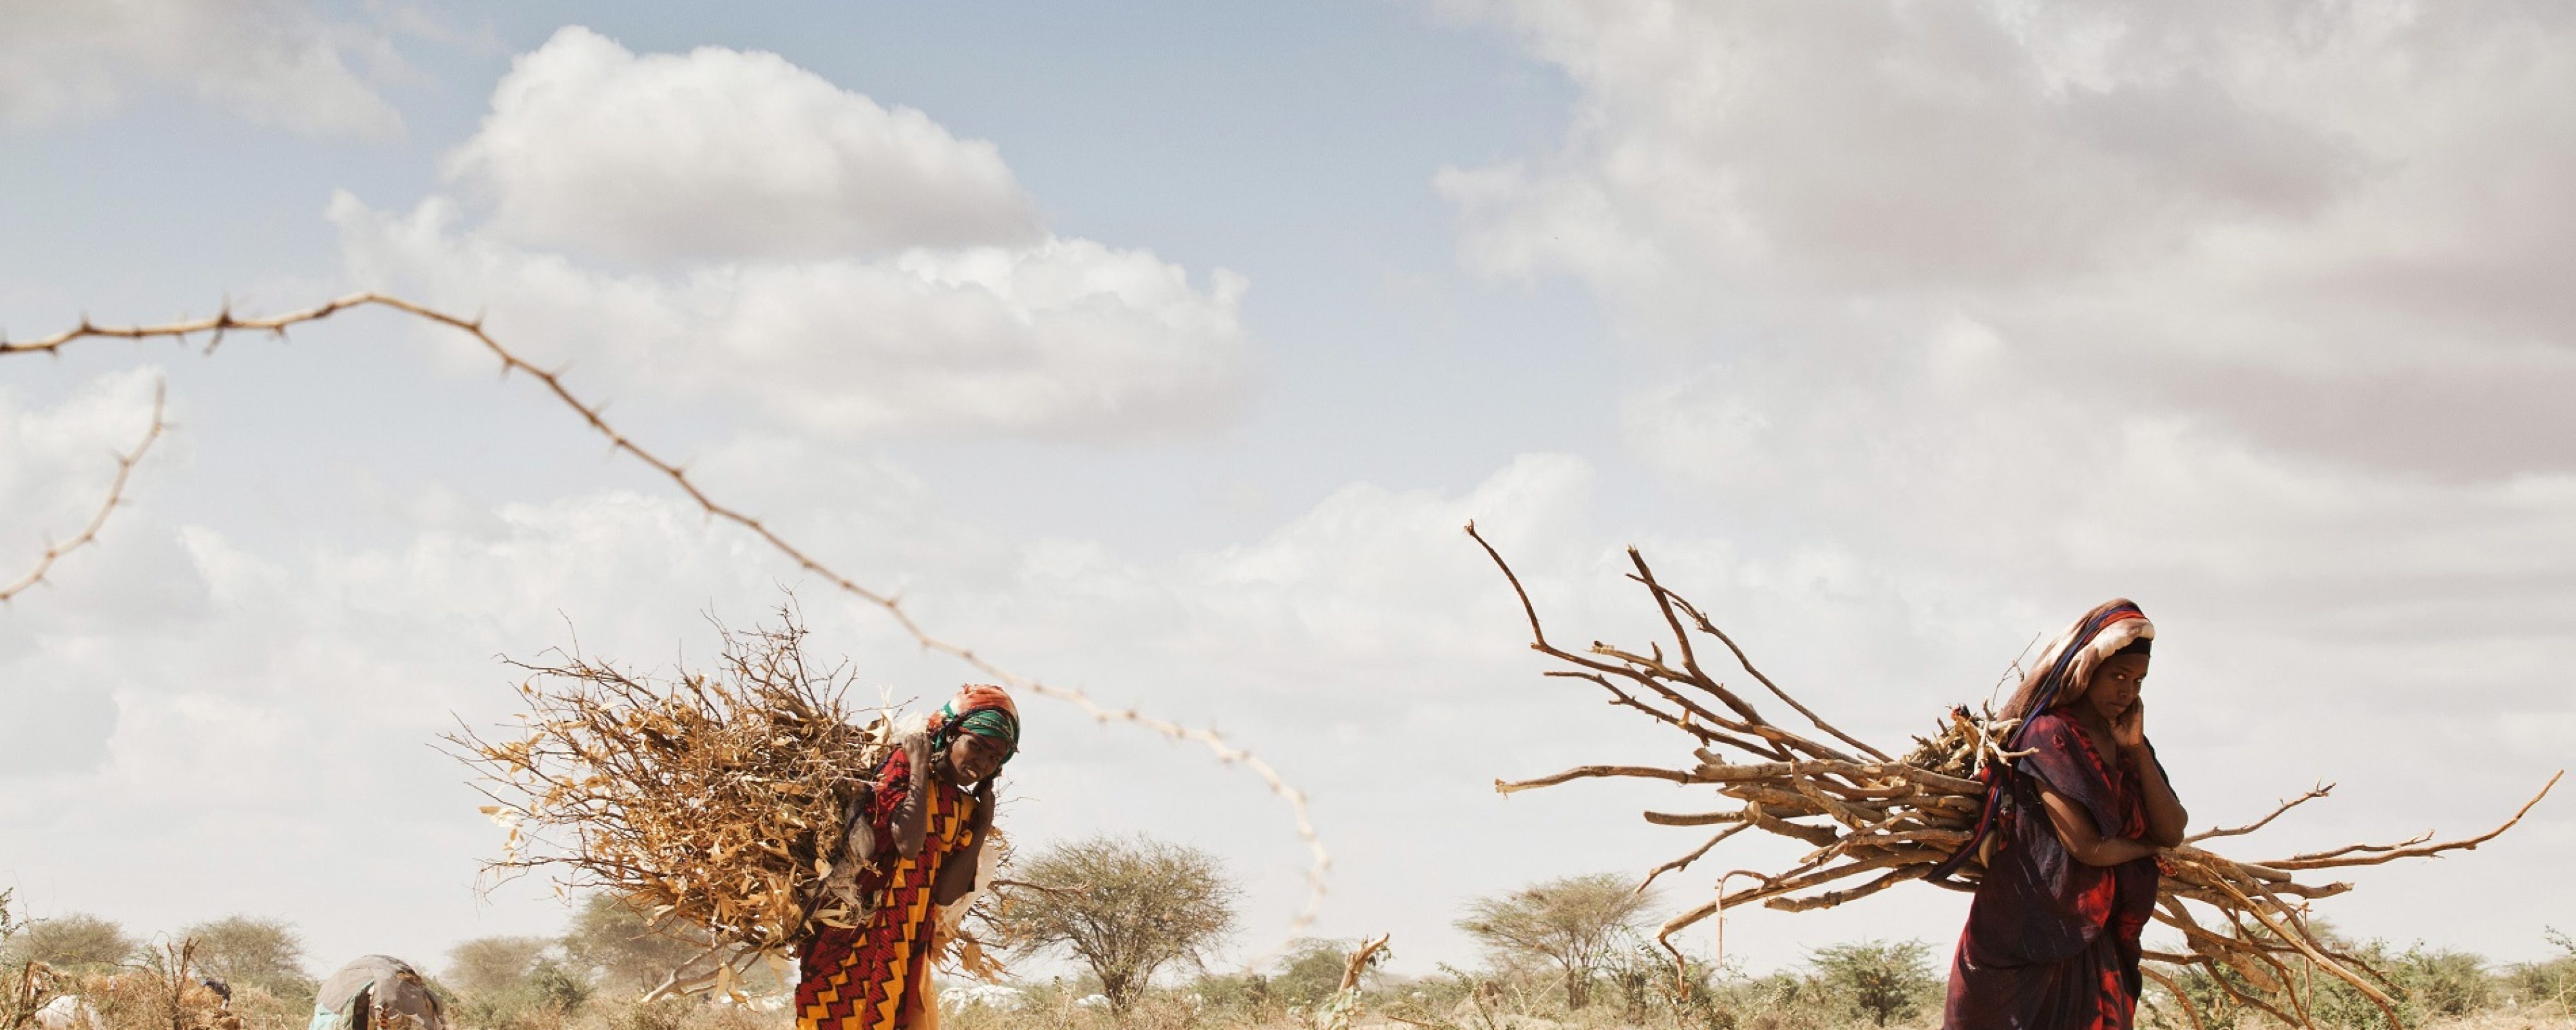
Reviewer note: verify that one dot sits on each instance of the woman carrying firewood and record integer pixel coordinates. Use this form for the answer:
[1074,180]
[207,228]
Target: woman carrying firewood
[920,833]
[2071,832]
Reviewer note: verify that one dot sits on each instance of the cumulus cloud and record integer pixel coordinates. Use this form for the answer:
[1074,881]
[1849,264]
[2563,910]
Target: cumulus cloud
[847,268]
[1065,335]
[2230,291]
[2326,229]
[274,62]
[723,153]
[55,467]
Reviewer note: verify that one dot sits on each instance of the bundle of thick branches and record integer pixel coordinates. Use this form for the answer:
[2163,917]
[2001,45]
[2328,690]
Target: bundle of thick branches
[1882,820]
[717,803]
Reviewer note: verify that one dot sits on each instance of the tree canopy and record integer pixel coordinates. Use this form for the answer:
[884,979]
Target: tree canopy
[249,951]
[78,941]
[1127,907]
[1574,922]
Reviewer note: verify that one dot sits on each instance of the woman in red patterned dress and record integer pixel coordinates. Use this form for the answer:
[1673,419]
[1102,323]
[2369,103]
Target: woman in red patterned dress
[925,823]
[2075,824]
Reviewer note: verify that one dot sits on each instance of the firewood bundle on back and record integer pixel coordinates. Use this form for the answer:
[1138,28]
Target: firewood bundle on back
[1876,820]
[715,803]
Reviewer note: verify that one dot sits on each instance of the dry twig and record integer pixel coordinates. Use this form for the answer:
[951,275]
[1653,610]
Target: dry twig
[1899,818]
[115,496]
[216,328]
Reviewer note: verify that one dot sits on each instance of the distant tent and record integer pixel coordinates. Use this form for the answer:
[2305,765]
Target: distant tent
[376,992]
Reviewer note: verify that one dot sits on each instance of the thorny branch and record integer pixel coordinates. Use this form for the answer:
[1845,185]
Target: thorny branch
[2313,793]
[115,496]
[1900,818]
[216,328]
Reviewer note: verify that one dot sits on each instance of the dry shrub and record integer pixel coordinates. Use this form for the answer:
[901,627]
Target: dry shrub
[163,996]
[261,1009]
[714,802]
[25,984]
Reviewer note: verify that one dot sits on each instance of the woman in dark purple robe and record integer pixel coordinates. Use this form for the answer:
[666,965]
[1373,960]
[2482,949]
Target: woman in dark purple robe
[2071,834]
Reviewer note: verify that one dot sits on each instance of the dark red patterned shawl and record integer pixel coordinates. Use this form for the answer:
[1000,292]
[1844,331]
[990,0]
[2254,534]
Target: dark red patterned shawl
[2052,943]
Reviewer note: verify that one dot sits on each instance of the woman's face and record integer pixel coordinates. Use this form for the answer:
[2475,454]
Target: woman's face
[2115,685]
[972,759]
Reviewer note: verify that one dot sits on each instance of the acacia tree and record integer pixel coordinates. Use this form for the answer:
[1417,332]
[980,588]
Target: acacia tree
[247,951]
[613,942]
[1574,922]
[1127,907]
[1884,980]
[491,965]
[75,942]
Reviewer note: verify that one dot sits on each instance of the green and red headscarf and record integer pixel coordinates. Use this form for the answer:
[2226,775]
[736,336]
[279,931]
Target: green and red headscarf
[982,709]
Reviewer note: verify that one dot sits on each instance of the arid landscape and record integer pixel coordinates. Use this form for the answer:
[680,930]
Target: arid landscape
[1287,515]
[591,977]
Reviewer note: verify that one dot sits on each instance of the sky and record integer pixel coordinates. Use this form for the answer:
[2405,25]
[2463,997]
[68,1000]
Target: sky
[1162,351]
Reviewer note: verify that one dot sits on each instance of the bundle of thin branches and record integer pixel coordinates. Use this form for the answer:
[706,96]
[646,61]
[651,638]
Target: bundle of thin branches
[714,802]
[1867,813]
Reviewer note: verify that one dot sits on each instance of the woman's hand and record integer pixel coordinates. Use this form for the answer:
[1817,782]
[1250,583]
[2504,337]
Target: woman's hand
[2166,817]
[2129,731]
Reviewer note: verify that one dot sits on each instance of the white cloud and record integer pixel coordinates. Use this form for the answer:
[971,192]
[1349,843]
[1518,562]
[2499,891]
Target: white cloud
[56,464]
[2242,293]
[2328,229]
[273,62]
[845,268]
[720,154]
[1060,336]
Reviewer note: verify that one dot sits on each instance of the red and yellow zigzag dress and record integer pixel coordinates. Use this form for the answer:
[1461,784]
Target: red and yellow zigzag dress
[870,977]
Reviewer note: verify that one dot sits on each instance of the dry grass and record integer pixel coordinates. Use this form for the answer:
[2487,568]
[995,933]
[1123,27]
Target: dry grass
[164,995]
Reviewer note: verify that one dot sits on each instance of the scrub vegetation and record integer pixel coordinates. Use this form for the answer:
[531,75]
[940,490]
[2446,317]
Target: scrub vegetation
[592,975]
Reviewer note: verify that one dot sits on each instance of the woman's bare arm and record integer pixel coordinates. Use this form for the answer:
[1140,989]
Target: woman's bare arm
[911,820]
[2088,845]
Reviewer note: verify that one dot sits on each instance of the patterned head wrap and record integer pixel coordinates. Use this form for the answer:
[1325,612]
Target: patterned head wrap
[2065,667]
[2063,670]
[983,710]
